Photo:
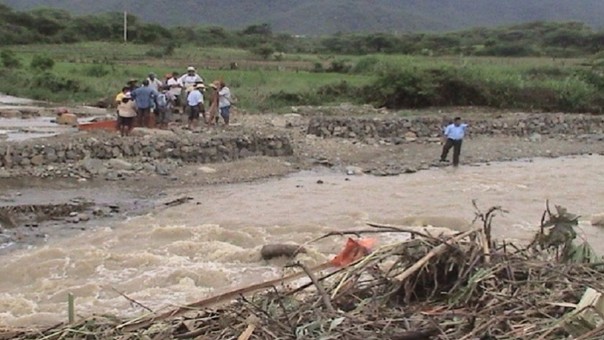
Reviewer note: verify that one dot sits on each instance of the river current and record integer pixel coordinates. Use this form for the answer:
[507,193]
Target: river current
[211,244]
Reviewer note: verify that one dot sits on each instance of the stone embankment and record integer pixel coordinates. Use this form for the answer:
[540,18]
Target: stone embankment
[89,154]
[411,128]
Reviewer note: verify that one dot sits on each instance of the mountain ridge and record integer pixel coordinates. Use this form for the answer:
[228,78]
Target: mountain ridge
[319,17]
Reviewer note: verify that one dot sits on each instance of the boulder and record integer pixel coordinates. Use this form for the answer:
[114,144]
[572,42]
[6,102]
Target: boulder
[67,119]
[410,136]
[37,160]
[93,165]
[207,170]
[354,170]
[271,251]
[119,164]
[598,220]
[4,173]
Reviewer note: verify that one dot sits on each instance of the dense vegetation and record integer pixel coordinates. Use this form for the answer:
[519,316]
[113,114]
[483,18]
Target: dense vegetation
[532,39]
[324,17]
[278,70]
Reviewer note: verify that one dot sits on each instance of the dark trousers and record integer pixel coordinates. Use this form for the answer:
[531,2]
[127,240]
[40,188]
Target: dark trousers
[456,145]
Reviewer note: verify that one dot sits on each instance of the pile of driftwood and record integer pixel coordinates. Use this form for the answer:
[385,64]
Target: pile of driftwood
[466,286]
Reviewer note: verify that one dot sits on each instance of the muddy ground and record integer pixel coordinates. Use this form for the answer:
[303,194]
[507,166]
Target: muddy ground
[35,208]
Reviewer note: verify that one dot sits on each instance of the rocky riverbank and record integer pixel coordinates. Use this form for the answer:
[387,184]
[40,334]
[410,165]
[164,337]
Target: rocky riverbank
[412,128]
[382,144]
[84,154]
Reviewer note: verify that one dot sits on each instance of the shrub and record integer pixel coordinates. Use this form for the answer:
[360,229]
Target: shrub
[9,59]
[339,91]
[339,66]
[263,50]
[96,70]
[366,65]
[54,83]
[318,68]
[168,50]
[41,63]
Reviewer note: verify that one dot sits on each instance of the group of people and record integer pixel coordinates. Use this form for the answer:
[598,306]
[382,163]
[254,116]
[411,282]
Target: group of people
[136,104]
[161,98]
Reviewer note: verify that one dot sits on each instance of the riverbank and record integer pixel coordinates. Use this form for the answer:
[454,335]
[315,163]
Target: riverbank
[141,172]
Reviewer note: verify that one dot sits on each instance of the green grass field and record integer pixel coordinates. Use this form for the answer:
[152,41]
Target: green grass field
[101,69]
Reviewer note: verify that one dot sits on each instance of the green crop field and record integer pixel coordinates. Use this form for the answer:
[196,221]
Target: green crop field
[87,72]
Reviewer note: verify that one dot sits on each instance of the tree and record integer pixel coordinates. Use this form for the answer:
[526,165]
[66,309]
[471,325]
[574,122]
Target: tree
[264,50]
[41,63]
[262,29]
[9,59]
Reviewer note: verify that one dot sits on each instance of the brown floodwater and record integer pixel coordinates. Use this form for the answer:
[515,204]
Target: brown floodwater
[182,254]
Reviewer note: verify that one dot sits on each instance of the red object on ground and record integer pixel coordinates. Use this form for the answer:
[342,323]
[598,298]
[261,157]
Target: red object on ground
[354,250]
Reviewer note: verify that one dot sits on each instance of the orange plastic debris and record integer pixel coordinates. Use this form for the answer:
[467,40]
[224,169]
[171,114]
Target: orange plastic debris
[354,250]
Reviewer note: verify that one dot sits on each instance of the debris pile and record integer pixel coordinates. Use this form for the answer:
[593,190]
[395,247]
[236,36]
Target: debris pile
[465,286]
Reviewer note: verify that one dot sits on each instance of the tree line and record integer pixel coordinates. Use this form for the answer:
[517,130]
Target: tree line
[555,39]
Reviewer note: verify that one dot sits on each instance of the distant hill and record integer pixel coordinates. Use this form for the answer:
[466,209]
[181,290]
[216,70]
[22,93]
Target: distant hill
[314,17]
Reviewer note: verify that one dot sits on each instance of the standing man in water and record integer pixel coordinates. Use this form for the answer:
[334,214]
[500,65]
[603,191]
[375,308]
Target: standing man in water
[453,138]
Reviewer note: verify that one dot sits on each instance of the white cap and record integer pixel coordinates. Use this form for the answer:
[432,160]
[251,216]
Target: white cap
[190,68]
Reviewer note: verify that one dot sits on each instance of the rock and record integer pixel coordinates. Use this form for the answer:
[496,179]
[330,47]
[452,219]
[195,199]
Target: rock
[162,169]
[280,122]
[148,167]
[93,166]
[83,217]
[25,162]
[37,160]
[67,119]
[410,136]
[73,219]
[207,170]
[271,251]
[4,173]
[320,182]
[119,164]
[535,138]
[354,170]
[598,220]
[243,153]
[10,114]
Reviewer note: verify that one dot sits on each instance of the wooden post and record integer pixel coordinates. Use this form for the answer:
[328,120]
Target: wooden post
[70,308]
[125,26]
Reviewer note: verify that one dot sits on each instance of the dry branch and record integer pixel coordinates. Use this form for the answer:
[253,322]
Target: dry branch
[461,287]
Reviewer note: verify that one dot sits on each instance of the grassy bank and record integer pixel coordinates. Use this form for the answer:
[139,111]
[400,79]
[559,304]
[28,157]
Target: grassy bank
[87,72]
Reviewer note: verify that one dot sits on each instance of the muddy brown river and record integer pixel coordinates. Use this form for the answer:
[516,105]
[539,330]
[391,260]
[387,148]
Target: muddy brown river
[210,244]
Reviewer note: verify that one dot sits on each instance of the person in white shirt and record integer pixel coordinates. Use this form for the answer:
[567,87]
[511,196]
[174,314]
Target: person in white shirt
[195,104]
[126,111]
[224,102]
[154,83]
[454,134]
[175,88]
[189,79]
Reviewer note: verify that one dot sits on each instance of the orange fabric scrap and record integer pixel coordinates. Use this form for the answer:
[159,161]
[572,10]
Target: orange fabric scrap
[354,250]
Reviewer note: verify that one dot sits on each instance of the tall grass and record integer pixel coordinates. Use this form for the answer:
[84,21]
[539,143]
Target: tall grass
[86,72]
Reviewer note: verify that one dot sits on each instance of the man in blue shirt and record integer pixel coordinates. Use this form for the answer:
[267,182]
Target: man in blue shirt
[145,97]
[454,134]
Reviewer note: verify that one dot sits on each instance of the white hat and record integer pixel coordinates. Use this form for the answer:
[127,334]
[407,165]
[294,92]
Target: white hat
[190,68]
[200,86]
